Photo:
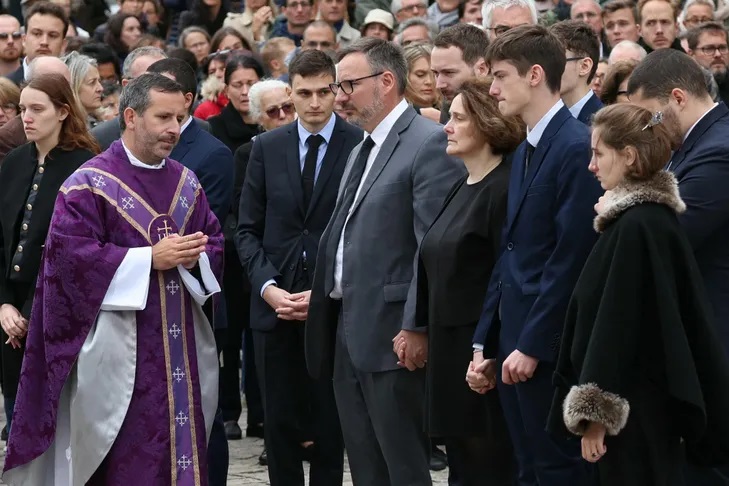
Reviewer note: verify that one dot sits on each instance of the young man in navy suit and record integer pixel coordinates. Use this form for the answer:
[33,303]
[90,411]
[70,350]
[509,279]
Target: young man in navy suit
[582,50]
[212,163]
[546,240]
[287,199]
[672,83]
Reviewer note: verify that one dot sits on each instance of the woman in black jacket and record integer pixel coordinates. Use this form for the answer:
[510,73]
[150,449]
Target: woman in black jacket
[235,126]
[640,374]
[30,177]
[457,255]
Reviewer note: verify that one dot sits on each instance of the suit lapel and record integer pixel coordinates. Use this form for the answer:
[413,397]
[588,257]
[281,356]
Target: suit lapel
[331,157]
[711,117]
[186,141]
[293,166]
[540,153]
[393,138]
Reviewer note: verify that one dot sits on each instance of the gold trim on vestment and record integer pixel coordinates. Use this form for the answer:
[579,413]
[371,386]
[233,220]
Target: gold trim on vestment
[180,185]
[123,186]
[168,366]
[190,398]
[113,202]
[190,211]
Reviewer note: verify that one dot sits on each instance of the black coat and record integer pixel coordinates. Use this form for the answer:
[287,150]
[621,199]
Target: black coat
[639,319]
[230,128]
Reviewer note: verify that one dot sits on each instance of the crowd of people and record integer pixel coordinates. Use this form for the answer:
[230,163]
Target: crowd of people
[482,235]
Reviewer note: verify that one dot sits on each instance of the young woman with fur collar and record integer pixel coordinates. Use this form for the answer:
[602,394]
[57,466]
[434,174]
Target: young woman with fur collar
[640,369]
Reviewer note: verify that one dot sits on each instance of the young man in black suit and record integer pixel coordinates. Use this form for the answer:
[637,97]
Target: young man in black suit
[287,199]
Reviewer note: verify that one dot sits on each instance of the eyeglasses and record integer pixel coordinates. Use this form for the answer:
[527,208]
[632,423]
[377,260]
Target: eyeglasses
[418,7]
[14,35]
[347,86]
[569,59]
[318,45]
[710,50]
[10,109]
[585,16]
[697,20]
[275,111]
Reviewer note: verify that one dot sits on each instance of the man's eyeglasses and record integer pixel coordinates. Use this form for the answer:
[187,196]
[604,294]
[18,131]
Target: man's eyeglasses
[502,29]
[14,35]
[710,50]
[576,58]
[697,20]
[418,7]
[347,86]
[275,111]
[10,109]
[585,16]
[318,45]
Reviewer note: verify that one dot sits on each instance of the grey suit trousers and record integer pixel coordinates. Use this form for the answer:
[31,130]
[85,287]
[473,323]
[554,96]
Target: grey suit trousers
[382,417]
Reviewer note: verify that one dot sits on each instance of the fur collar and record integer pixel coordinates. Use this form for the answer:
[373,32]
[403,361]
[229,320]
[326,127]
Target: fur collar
[662,188]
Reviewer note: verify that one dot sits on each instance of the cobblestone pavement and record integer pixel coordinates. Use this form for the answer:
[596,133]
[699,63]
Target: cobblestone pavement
[244,469]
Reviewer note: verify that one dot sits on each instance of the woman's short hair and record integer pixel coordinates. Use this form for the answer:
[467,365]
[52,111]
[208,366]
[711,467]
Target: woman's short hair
[614,77]
[626,125]
[502,133]
[74,133]
[9,93]
[193,29]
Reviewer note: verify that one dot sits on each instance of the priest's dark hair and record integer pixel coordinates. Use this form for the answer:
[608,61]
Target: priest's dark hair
[625,125]
[664,70]
[136,94]
[74,133]
[180,71]
[312,63]
[527,46]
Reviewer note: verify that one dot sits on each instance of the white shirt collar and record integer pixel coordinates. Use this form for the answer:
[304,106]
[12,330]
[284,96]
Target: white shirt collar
[381,131]
[325,132]
[138,163]
[186,124]
[535,134]
[697,122]
[577,107]
[25,68]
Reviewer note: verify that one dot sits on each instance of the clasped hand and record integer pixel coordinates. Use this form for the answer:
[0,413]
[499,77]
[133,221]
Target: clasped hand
[481,374]
[178,250]
[14,324]
[411,349]
[289,307]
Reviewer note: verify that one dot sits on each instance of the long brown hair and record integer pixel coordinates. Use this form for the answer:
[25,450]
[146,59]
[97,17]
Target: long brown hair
[74,133]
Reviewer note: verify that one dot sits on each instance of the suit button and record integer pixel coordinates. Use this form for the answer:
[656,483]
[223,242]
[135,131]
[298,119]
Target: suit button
[510,246]
[292,266]
[16,268]
[35,187]
[29,207]
[25,226]
[306,232]
[20,248]
[41,170]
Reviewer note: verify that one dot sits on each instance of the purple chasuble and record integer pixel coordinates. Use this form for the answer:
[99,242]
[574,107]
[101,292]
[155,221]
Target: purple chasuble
[103,209]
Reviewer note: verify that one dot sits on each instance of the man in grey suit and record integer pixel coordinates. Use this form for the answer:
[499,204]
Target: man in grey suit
[363,293]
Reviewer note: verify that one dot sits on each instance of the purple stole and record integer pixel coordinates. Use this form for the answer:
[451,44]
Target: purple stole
[153,226]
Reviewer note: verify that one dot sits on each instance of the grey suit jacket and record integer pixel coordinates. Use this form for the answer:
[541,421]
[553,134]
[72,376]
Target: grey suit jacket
[401,195]
[108,132]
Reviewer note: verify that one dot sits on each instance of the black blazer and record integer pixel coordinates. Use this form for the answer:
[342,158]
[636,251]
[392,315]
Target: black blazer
[17,76]
[229,128]
[17,176]
[274,228]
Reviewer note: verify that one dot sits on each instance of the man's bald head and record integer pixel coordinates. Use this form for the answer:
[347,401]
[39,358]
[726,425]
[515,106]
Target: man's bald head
[47,65]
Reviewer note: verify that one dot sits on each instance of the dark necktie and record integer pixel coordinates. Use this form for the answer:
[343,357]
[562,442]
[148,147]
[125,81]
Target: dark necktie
[528,158]
[309,173]
[350,189]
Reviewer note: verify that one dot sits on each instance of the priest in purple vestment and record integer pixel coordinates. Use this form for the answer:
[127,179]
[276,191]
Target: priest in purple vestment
[119,382]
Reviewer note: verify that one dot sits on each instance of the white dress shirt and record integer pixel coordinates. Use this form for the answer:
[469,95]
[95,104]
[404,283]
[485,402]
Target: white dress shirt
[378,135]
[535,134]
[577,107]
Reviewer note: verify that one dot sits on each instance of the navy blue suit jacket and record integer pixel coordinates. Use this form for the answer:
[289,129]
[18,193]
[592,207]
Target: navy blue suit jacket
[592,106]
[545,243]
[274,227]
[212,163]
[701,166]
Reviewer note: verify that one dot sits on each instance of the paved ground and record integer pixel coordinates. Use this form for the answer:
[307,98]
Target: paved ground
[244,468]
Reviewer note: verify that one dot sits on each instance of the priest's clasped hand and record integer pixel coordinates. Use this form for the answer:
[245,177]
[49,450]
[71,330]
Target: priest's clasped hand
[178,250]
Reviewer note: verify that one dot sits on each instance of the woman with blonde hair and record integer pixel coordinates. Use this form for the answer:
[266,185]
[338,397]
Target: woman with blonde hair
[641,375]
[9,99]
[420,90]
[86,84]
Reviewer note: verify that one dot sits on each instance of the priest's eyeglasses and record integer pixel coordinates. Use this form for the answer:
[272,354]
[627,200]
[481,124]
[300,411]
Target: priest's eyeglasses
[347,86]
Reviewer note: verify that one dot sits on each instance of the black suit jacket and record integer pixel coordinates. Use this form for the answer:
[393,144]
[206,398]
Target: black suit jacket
[17,76]
[109,132]
[17,175]
[274,228]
